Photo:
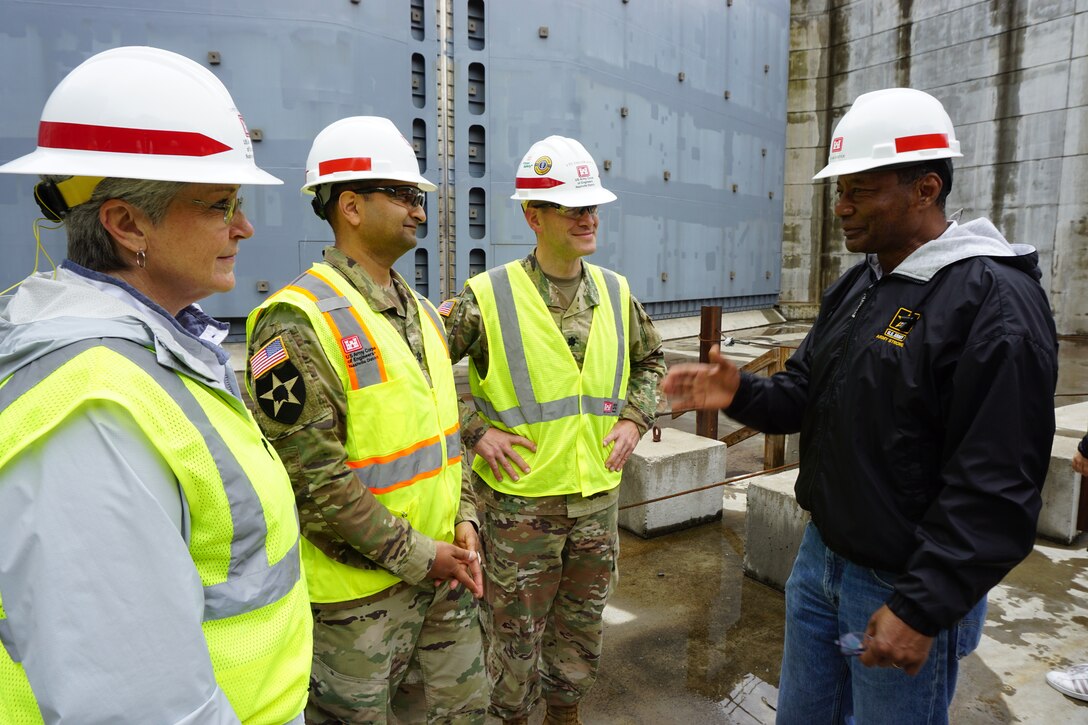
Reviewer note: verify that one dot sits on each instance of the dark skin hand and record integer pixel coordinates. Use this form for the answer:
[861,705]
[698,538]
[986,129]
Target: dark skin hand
[705,386]
[891,642]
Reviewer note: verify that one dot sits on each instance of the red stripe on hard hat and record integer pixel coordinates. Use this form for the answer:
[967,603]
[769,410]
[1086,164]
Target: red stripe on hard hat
[360,163]
[536,183]
[113,139]
[921,142]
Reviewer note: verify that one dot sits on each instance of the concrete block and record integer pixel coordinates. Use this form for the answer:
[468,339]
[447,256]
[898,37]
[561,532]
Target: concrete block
[678,328]
[1072,420]
[773,528]
[1061,493]
[678,462]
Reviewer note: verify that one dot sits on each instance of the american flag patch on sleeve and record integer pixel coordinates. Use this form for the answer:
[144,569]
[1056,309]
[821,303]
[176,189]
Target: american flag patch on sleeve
[446,307]
[268,357]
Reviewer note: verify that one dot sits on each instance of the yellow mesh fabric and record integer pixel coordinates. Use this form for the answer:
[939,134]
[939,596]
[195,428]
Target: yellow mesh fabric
[263,686]
[430,503]
[502,397]
[17,703]
[243,438]
[261,658]
[570,456]
[317,322]
[102,376]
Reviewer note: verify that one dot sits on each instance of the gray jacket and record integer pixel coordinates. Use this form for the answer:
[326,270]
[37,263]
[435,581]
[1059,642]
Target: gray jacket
[103,601]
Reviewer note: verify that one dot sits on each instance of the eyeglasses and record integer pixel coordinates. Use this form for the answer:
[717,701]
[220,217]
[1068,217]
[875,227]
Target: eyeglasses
[852,644]
[570,212]
[228,207]
[410,196]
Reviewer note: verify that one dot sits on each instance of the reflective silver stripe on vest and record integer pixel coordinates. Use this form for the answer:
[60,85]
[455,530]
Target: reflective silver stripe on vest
[250,583]
[529,410]
[338,307]
[612,282]
[453,444]
[380,476]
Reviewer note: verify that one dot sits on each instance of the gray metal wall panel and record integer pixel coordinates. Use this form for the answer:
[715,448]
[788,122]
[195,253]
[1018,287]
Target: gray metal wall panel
[295,67]
[690,237]
[291,67]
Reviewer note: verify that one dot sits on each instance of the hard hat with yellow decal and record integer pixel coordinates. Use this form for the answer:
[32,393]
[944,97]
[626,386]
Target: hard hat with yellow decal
[560,170]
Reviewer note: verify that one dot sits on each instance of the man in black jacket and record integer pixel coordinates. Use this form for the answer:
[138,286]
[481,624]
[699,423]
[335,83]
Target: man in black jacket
[924,398]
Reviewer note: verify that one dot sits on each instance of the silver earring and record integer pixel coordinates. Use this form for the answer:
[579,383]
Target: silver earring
[141,258]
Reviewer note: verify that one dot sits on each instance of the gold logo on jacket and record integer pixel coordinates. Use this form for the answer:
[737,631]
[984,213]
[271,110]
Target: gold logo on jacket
[897,330]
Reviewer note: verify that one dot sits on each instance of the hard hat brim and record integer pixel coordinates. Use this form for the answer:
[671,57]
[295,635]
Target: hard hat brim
[196,170]
[856,166]
[349,176]
[567,197]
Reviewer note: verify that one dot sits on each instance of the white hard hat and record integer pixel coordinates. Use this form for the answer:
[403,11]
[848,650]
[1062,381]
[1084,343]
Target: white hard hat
[561,171]
[892,126]
[143,113]
[362,147]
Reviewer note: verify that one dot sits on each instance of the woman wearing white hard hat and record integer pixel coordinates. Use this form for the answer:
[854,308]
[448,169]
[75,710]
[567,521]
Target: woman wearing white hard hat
[149,561]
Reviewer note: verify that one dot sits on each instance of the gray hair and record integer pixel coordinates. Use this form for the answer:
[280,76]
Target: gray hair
[89,244]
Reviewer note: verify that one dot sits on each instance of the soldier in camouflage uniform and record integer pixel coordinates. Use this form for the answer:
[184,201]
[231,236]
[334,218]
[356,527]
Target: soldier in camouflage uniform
[551,545]
[396,627]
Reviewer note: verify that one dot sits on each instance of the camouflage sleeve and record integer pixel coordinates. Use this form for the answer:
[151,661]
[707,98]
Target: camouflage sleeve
[466,338]
[469,504]
[647,369]
[299,404]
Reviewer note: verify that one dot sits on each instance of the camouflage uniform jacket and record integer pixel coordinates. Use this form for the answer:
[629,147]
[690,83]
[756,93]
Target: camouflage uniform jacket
[338,514]
[467,338]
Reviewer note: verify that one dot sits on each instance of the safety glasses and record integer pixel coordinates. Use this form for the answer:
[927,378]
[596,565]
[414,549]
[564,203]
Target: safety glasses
[228,207]
[409,196]
[570,212]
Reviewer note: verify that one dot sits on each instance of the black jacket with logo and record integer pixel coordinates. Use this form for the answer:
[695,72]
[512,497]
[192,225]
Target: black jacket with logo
[925,404]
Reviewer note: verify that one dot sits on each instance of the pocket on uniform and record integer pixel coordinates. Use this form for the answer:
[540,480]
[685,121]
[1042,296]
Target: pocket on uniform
[349,699]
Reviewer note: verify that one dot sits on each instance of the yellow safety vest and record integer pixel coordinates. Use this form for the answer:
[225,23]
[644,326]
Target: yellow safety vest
[244,532]
[403,435]
[534,388]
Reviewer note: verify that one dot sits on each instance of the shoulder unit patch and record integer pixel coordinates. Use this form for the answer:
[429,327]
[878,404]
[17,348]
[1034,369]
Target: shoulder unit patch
[281,394]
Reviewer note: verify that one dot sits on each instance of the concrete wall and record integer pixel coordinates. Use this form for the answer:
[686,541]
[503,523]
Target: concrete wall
[1013,75]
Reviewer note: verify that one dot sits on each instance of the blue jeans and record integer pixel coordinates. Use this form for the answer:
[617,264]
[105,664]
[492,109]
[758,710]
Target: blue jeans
[827,596]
